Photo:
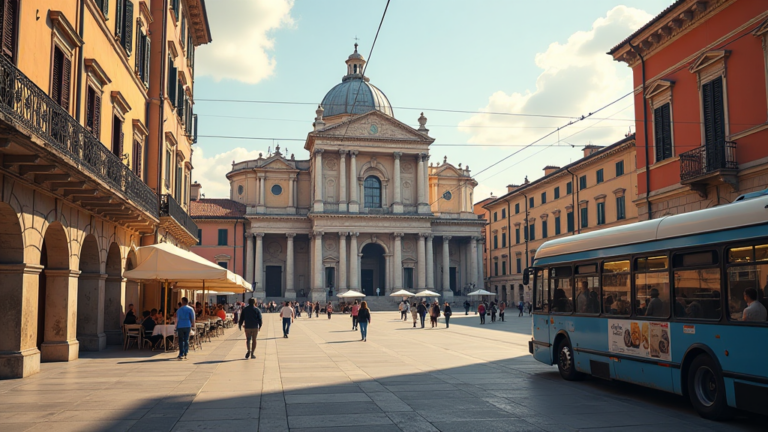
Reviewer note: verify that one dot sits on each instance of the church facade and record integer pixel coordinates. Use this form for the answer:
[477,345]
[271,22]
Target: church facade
[367,211]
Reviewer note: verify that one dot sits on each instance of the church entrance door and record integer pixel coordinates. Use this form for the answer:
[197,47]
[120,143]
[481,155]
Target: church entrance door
[453,281]
[372,269]
[367,283]
[274,283]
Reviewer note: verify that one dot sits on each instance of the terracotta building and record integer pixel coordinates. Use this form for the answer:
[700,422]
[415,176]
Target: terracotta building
[701,81]
[75,202]
[367,211]
[484,214]
[592,193]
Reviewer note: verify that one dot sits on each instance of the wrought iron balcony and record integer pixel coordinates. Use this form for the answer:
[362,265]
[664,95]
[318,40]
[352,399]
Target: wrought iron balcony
[706,160]
[26,107]
[170,208]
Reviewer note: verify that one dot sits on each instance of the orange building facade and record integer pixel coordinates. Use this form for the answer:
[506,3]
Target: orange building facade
[700,73]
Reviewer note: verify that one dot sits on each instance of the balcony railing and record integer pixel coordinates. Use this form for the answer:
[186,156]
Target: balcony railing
[169,207]
[24,102]
[705,160]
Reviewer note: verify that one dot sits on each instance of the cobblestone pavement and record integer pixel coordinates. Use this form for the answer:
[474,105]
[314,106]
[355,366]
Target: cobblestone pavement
[323,378]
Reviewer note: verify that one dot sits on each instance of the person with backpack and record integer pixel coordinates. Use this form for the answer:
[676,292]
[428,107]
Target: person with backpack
[493,311]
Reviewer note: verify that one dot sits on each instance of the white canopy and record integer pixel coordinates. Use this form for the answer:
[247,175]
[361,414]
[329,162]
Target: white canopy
[166,262]
[480,292]
[427,293]
[351,294]
[401,293]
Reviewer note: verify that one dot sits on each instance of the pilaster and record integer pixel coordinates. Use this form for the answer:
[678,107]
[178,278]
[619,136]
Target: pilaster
[397,283]
[259,290]
[343,181]
[318,203]
[397,202]
[290,290]
[60,338]
[422,262]
[342,261]
[19,288]
[354,204]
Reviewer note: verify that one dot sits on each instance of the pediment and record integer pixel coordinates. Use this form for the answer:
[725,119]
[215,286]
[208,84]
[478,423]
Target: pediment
[707,59]
[448,170]
[373,125]
[657,87]
[761,29]
[277,162]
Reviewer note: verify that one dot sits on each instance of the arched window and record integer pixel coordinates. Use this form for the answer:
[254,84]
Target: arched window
[372,187]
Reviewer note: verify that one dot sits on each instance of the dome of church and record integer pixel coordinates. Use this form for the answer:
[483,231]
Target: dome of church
[355,94]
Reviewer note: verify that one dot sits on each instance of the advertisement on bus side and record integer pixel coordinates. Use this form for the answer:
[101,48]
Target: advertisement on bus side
[640,338]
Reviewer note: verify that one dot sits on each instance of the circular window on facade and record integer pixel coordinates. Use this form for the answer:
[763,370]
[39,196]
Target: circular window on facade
[277,189]
[240,190]
[447,195]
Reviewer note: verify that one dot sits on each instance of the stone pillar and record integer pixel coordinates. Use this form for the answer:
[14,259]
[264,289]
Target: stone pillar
[290,290]
[60,338]
[419,181]
[90,319]
[430,263]
[422,176]
[318,204]
[342,261]
[19,288]
[291,193]
[249,258]
[354,260]
[259,290]
[354,204]
[114,305]
[473,261]
[421,262]
[447,268]
[318,290]
[397,283]
[387,288]
[342,180]
[397,202]
[262,207]
[480,265]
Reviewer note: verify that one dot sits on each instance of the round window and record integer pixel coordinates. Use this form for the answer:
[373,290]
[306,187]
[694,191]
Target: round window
[447,195]
[277,190]
[240,190]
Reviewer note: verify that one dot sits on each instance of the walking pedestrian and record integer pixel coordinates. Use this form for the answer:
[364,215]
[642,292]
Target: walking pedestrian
[434,313]
[287,314]
[481,311]
[329,310]
[251,317]
[520,308]
[402,308]
[355,314]
[493,312]
[422,311]
[414,313]
[185,318]
[447,314]
[466,307]
[406,310]
[297,309]
[317,309]
[364,318]
[502,307]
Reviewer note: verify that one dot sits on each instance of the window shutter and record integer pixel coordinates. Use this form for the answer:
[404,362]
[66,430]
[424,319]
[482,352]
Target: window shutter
[9,12]
[128,23]
[66,71]
[89,109]
[137,159]
[658,134]
[194,129]
[119,18]
[718,110]
[58,58]
[666,126]
[120,144]
[97,115]
[172,78]
[180,97]
[146,60]
[139,57]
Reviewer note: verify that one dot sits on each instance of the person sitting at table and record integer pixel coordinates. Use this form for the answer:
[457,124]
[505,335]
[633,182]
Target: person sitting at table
[130,316]
[198,309]
[149,327]
[160,317]
[221,314]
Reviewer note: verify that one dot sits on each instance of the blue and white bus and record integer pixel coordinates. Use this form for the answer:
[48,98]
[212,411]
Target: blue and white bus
[661,304]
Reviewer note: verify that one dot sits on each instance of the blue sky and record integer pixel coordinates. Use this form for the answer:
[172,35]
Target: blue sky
[532,57]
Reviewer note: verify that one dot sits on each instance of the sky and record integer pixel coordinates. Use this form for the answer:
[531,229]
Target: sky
[506,57]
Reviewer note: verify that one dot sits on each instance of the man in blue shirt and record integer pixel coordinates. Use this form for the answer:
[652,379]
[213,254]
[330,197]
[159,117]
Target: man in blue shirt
[185,319]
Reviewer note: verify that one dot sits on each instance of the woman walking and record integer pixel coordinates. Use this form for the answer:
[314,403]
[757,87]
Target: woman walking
[502,306]
[363,319]
[434,313]
[481,311]
[414,314]
[355,314]
[447,314]
[493,312]
[329,310]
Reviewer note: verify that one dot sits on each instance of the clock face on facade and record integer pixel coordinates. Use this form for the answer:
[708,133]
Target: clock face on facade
[373,129]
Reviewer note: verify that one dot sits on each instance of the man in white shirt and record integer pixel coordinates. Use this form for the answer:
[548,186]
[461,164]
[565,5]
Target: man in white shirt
[287,314]
[755,311]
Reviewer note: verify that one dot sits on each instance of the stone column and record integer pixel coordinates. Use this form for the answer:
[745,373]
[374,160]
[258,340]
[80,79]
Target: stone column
[473,261]
[114,305]
[318,204]
[397,202]
[419,181]
[290,290]
[422,176]
[249,258]
[447,267]
[387,288]
[60,338]
[421,261]
[318,291]
[90,320]
[259,290]
[354,259]
[342,180]
[480,265]
[430,263]
[262,207]
[291,193]
[19,288]
[354,204]
[398,262]
[342,261]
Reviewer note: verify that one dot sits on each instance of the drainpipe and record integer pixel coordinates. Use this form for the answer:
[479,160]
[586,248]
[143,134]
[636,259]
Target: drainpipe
[645,133]
[81,32]
[509,238]
[234,249]
[574,198]
[161,97]
[525,234]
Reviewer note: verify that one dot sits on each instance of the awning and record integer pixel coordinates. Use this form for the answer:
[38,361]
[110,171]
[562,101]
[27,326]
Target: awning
[351,294]
[480,292]
[168,263]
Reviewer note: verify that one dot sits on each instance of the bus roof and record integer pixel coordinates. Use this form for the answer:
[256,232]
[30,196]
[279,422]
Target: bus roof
[748,212]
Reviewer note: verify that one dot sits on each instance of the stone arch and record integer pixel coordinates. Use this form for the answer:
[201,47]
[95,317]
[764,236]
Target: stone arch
[373,169]
[132,288]
[56,245]
[376,240]
[114,295]
[90,297]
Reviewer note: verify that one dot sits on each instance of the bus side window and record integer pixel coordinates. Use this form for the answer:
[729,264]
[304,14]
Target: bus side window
[697,293]
[542,302]
[652,287]
[587,295]
[740,278]
[616,288]
[562,295]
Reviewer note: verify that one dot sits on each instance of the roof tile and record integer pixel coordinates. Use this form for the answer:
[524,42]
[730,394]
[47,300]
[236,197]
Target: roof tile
[216,208]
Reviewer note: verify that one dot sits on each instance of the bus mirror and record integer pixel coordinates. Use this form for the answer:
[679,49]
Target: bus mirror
[526,276]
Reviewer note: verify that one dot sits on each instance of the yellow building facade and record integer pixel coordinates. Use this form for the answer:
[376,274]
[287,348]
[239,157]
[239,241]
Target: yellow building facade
[592,193]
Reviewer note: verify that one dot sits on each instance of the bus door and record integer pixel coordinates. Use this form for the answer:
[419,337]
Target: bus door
[541,349]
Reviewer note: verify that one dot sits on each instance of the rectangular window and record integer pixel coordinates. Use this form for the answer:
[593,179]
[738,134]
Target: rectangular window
[543,197]
[569,221]
[138,153]
[557,225]
[495,216]
[496,268]
[177,189]
[557,192]
[93,112]
[584,217]
[9,23]
[504,267]
[662,132]
[587,294]
[532,229]
[503,240]
[714,121]
[621,211]
[582,182]
[619,168]
[60,78]
[143,57]
[199,236]
[517,235]
[652,287]
[503,213]
[747,271]
[518,265]
[408,278]
[600,213]
[168,168]
[697,291]
[600,175]
[561,290]
[530,202]
[222,264]
[223,234]
[568,188]
[517,208]
[124,24]
[495,242]
[544,229]
[173,78]
[616,279]
[117,136]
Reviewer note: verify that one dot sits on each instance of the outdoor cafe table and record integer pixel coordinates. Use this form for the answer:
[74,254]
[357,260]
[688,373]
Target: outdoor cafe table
[167,330]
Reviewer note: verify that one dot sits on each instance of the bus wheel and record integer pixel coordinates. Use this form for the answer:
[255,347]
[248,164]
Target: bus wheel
[565,362]
[706,389]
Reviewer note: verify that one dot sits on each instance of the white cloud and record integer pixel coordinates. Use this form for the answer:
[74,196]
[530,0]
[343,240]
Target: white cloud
[578,77]
[241,44]
[211,172]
